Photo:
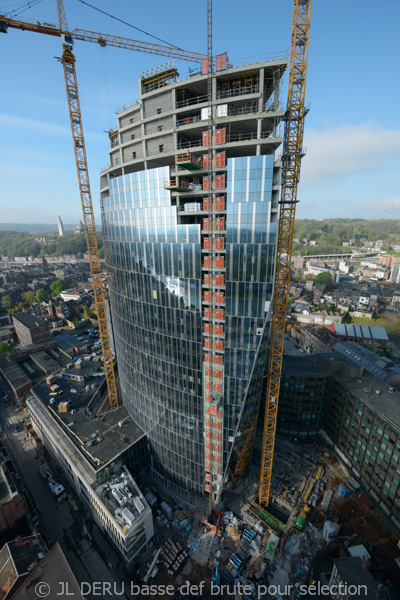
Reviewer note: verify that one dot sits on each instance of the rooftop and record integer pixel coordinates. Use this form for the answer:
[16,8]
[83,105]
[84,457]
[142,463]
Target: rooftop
[352,572]
[361,331]
[386,403]
[45,362]
[304,366]
[18,558]
[121,496]
[66,341]
[379,366]
[52,569]
[13,372]
[98,439]
[29,320]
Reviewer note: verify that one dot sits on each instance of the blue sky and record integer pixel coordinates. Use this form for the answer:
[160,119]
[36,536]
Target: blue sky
[352,133]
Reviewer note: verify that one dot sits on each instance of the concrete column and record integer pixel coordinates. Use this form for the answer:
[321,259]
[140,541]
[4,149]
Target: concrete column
[261,101]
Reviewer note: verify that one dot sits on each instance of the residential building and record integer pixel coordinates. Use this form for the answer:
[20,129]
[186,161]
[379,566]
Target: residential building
[192,264]
[72,294]
[396,300]
[389,260]
[30,329]
[345,267]
[395,273]
[298,262]
[12,508]
[6,335]
[315,340]
[60,227]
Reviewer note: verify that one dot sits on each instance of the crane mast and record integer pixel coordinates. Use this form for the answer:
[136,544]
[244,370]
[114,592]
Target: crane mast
[68,61]
[291,161]
[71,85]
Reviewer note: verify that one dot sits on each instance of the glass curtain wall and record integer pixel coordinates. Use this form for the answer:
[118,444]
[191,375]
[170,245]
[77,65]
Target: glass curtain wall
[154,264]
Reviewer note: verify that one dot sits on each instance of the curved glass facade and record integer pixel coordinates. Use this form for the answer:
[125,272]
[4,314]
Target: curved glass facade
[155,283]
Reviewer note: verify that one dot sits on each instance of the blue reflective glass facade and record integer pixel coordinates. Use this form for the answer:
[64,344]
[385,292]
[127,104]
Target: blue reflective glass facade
[155,266]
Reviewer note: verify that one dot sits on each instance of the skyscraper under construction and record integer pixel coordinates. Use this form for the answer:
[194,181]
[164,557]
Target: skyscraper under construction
[189,207]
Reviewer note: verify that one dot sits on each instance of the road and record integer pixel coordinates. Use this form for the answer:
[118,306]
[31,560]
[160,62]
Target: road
[58,521]
[290,349]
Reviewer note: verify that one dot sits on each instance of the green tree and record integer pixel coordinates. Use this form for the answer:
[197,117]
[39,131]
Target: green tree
[7,302]
[41,295]
[28,298]
[59,286]
[323,278]
[89,312]
[4,347]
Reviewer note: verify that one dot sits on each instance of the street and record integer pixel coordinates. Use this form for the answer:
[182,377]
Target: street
[58,521]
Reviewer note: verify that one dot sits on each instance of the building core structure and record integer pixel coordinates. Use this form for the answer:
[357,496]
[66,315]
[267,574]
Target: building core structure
[189,228]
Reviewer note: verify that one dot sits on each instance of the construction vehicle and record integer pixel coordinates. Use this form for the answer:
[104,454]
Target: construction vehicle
[68,61]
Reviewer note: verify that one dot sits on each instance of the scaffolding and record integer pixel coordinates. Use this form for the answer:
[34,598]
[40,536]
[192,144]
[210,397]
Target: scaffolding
[238,85]
[158,77]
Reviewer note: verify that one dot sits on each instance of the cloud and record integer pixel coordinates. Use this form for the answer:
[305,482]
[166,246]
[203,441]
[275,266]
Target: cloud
[13,122]
[384,207]
[338,153]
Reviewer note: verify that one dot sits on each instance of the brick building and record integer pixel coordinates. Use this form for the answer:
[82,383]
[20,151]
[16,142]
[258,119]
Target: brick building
[30,329]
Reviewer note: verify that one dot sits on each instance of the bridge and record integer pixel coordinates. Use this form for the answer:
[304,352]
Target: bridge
[358,254]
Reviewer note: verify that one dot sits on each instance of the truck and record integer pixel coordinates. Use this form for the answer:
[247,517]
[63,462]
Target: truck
[56,488]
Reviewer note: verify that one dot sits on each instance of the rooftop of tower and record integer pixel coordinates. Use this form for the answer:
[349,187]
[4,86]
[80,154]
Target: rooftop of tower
[172,113]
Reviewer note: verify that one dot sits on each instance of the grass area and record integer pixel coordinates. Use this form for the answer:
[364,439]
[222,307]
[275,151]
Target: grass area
[390,321]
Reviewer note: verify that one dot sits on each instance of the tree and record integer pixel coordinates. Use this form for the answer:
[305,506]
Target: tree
[59,286]
[89,312]
[41,295]
[323,278]
[28,298]
[4,347]
[7,302]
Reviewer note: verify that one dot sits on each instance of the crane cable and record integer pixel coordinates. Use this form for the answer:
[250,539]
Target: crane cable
[106,86]
[18,11]
[129,25]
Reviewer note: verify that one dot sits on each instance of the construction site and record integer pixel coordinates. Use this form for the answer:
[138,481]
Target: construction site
[173,445]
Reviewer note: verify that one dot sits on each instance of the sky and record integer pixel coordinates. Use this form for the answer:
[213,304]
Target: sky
[352,132]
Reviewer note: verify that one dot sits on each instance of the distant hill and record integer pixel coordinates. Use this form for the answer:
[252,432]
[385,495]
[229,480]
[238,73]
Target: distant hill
[16,243]
[330,235]
[34,227]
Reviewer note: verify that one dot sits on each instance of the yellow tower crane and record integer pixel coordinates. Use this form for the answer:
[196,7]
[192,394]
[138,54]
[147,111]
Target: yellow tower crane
[68,62]
[291,161]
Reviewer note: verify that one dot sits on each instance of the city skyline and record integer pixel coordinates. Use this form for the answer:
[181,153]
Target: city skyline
[352,143]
